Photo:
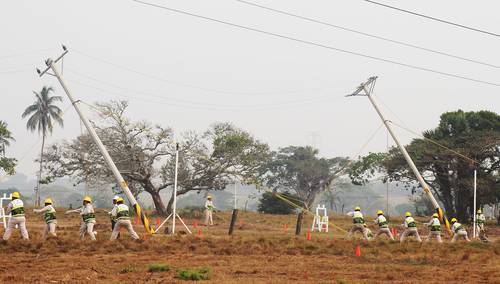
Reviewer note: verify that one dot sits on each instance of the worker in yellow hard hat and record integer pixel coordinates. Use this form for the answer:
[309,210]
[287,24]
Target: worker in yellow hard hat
[383,225]
[434,228]
[49,217]
[88,218]
[358,223]
[16,209]
[458,231]
[410,228]
[209,208]
[122,214]
[113,218]
[481,230]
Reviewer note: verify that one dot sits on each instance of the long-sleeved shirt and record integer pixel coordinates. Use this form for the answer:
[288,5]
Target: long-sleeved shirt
[44,209]
[357,217]
[209,205]
[50,213]
[381,221]
[86,211]
[434,224]
[14,204]
[409,223]
[111,216]
[457,227]
[480,218]
[120,211]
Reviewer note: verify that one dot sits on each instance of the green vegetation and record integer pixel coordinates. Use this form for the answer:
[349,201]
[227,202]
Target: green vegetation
[194,274]
[6,164]
[41,114]
[472,140]
[271,204]
[158,267]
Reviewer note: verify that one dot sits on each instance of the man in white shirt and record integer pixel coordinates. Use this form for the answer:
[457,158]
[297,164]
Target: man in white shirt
[16,208]
[49,215]
[88,218]
[209,208]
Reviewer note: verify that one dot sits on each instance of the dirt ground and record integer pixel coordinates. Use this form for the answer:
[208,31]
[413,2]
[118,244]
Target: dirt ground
[262,250]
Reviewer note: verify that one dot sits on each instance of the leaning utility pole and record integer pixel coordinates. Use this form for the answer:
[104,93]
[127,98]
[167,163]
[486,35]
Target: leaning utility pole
[367,89]
[111,165]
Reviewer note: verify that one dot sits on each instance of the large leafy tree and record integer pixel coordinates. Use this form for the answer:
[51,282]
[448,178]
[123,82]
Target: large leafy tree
[449,173]
[6,164]
[299,170]
[42,115]
[145,156]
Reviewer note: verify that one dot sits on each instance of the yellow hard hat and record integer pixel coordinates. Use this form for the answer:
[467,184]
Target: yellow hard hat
[380,212]
[435,215]
[408,214]
[48,201]
[453,220]
[357,208]
[479,211]
[16,194]
[87,198]
[209,197]
[119,199]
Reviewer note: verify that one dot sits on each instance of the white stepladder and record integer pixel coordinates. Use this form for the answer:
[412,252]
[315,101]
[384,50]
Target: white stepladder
[4,219]
[320,221]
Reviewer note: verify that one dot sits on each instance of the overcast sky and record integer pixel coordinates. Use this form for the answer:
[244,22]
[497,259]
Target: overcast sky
[187,73]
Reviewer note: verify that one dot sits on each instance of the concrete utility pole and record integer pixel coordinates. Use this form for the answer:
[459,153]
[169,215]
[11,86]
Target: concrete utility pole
[366,89]
[111,165]
[475,202]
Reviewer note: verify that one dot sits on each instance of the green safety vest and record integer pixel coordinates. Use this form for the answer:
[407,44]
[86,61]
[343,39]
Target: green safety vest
[382,222]
[478,220]
[435,226]
[357,218]
[410,222]
[88,217]
[17,208]
[50,215]
[458,227]
[123,212]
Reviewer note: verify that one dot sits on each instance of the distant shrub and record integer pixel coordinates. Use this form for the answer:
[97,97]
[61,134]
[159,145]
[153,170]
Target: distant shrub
[194,274]
[158,267]
[271,204]
[127,269]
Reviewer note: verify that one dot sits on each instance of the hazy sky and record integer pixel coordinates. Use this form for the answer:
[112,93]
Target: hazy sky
[284,92]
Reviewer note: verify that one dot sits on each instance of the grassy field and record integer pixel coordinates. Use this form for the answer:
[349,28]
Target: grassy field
[261,251]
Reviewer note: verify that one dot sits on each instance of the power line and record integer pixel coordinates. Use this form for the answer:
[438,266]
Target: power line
[203,106]
[24,53]
[322,45]
[434,18]
[194,102]
[153,77]
[369,35]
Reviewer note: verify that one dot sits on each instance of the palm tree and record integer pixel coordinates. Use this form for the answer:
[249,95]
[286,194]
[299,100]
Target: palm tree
[5,137]
[42,112]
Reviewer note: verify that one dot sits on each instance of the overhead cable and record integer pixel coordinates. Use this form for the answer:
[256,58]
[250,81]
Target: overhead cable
[411,66]
[369,35]
[433,18]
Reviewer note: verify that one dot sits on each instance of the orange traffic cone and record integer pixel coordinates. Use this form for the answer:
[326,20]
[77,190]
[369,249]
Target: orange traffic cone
[358,251]
[309,235]
[158,221]
[137,221]
[199,232]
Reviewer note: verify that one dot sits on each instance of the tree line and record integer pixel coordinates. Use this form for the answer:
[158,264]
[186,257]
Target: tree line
[225,154]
